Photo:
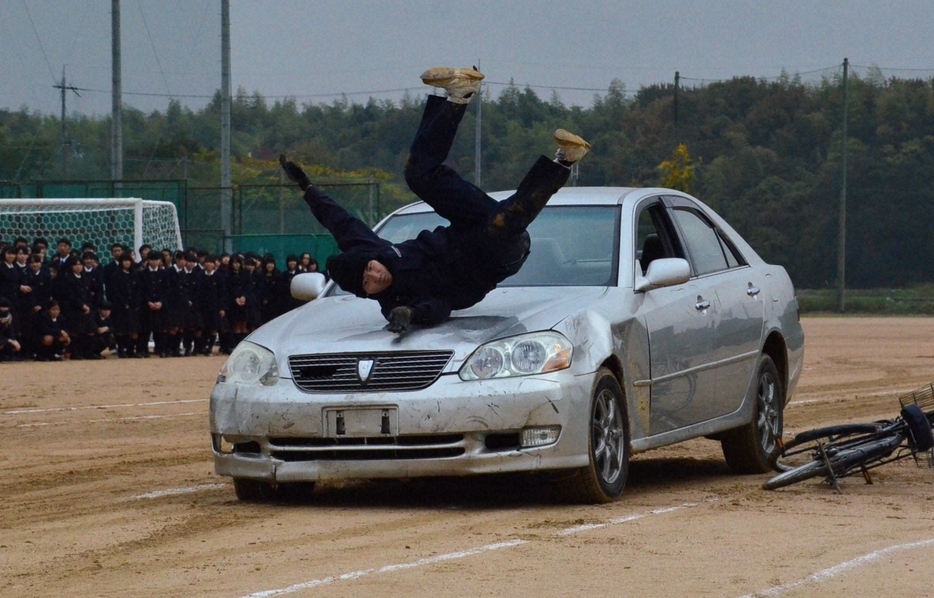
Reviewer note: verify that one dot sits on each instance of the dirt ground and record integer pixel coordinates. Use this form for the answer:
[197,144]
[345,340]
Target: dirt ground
[108,489]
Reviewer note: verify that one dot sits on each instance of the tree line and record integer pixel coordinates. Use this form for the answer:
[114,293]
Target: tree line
[766,154]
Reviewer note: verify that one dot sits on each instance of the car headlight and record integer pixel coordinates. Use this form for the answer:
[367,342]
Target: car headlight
[535,353]
[248,364]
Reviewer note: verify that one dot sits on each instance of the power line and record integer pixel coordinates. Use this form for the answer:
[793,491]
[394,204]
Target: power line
[39,39]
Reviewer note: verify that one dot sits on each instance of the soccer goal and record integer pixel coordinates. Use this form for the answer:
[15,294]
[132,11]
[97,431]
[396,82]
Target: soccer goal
[129,221]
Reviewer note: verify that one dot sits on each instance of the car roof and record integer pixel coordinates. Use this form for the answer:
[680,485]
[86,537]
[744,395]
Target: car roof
[570,196]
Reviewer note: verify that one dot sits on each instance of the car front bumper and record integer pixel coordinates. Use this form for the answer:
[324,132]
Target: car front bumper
[282,434]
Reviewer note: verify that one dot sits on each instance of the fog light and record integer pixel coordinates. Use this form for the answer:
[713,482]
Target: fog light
[532,437]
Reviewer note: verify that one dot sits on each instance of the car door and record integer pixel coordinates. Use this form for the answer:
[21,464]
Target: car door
[680,322]
[738,288]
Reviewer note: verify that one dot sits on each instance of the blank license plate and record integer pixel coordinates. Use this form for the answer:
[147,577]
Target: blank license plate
[361,422]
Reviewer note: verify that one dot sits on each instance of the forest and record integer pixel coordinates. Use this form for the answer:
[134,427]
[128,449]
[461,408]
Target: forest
[765,154]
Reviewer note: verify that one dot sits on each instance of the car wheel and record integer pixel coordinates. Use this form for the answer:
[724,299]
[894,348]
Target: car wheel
[754,447]
[604,478]
[259,491]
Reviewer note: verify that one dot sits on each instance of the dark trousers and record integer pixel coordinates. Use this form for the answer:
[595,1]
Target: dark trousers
[499,224]
[462,203]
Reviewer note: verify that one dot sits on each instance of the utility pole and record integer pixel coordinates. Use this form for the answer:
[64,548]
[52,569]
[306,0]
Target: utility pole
[841,237]
[66,144]
[677,85]
[116,109]
[226,179]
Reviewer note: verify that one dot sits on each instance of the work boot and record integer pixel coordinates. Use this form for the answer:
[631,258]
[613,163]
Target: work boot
[571,148]
[461,84]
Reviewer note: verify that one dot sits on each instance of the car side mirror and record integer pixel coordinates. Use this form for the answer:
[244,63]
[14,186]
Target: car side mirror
[307,286]
[664,272]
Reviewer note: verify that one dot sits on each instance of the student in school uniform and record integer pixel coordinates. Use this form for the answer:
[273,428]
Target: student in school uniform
[212,301]
[154,295]
[102,331]
[192,322]
[53,338]
[124,294]
[10,347]
[73,293]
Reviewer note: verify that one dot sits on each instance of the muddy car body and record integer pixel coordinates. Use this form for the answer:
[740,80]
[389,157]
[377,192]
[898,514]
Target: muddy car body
[640,319]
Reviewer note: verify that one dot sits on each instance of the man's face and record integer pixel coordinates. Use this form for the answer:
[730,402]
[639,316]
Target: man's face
[64,248]
[376,278]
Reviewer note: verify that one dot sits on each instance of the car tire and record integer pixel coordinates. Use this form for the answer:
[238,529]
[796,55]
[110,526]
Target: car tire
[258,491]
[754,447]
[604,478]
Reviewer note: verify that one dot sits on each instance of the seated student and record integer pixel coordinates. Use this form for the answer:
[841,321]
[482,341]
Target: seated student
[102,331]
[53,337]
[9,346]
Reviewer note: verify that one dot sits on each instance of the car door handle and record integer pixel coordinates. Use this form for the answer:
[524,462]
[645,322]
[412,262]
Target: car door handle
[701,304]
[752,291]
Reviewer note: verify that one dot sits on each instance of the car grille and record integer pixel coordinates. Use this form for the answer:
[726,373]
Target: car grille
[341,372]
[441,446]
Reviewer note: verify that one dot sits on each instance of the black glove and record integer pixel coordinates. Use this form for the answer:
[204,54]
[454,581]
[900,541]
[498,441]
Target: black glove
[294,172]
[400,318]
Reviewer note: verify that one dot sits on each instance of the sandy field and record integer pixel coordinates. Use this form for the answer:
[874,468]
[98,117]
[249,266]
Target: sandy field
[108,489]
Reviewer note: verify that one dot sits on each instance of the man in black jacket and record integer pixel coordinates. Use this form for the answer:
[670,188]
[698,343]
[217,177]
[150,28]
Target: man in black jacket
[452,267]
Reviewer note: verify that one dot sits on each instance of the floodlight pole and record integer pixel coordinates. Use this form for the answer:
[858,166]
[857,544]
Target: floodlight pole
[116,148]
[841,238]
[226,179]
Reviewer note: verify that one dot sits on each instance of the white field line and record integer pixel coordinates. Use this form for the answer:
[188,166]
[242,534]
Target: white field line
[178,491]
[114,406]
[111,419]
[453,555]
[830,572]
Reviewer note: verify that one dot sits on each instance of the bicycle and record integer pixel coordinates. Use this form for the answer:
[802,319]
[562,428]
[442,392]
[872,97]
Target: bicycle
[836,452]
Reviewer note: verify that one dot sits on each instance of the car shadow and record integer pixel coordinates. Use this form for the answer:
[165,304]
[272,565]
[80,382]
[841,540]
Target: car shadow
[498,491]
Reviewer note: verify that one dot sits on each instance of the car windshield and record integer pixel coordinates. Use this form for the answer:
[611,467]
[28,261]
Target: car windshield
[571,245]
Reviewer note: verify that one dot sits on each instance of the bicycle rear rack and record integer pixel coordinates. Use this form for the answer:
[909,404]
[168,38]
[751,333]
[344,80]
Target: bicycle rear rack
[923,398]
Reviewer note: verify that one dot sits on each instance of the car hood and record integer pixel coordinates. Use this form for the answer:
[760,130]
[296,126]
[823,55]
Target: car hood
[350,324]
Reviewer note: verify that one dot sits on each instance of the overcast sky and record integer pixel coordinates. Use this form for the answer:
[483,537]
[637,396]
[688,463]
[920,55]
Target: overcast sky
[317,50]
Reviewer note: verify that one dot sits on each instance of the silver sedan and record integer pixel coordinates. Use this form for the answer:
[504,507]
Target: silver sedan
[640,319]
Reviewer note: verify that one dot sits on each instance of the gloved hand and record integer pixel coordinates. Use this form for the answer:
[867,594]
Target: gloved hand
[400,318]
[294,172]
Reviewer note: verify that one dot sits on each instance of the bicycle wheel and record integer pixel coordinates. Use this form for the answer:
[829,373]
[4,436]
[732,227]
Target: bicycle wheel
[800,449]
[920,427]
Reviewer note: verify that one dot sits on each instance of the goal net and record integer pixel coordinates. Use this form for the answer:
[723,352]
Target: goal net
[132,222]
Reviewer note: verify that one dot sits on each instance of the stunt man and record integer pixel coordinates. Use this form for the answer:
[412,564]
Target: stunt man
[421,280]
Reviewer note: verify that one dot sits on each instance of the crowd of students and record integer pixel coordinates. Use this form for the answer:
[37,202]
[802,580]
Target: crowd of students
[66,305]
